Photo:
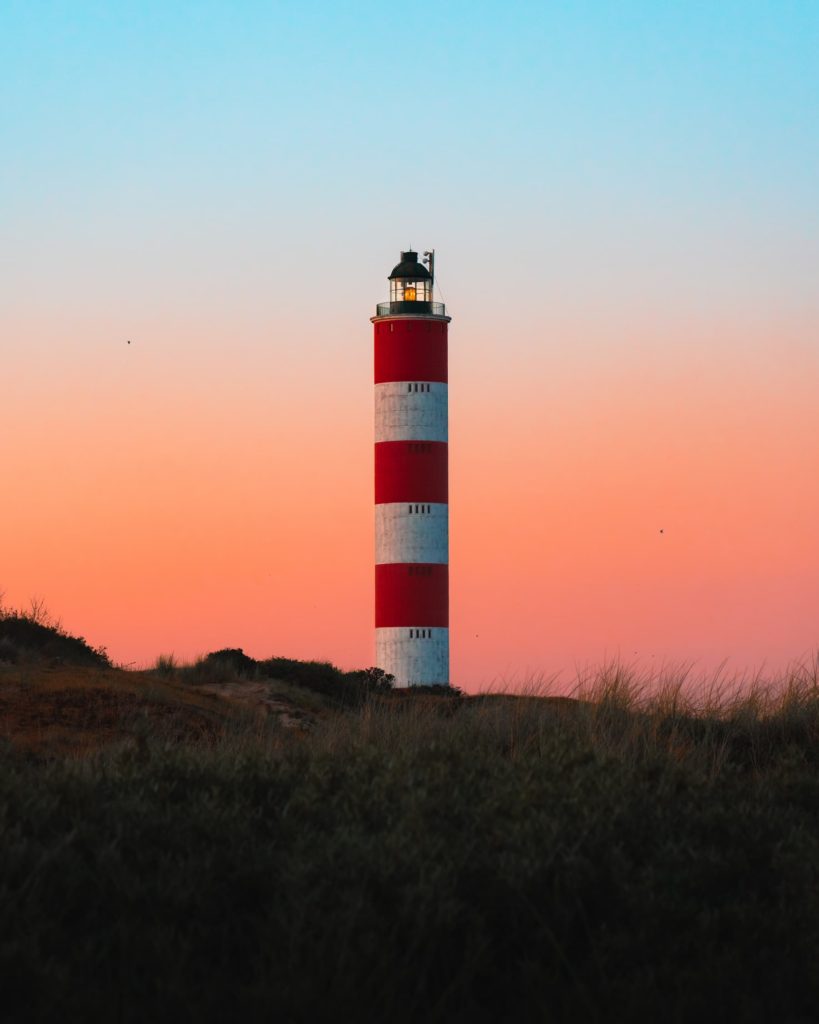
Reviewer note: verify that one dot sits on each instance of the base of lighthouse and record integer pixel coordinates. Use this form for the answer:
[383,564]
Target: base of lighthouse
[415,655]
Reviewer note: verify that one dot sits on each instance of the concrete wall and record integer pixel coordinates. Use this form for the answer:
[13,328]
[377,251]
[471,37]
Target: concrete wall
[416,536]
[411,494]
[414,660]
[402,415]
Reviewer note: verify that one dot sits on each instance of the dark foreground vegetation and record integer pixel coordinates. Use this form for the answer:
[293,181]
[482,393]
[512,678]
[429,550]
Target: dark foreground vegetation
[33,635]
[617,858]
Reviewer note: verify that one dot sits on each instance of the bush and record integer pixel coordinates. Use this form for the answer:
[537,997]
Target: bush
[8,651]
[27,637]
[349,689]
[232,658]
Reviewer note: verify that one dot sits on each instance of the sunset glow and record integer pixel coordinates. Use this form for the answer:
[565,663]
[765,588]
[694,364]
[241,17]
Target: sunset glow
[633,355]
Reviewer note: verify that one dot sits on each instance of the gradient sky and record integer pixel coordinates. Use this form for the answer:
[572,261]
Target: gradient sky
[624,200]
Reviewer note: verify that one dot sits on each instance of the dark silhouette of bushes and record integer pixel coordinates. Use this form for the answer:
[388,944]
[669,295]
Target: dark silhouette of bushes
[233,659]
[24,637]
[346,688]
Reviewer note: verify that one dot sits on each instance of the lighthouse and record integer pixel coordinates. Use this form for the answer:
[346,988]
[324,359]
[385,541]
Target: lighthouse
[411,478]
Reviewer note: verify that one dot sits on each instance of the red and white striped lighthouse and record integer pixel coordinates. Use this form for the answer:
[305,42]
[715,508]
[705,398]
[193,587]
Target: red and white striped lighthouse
[411,479]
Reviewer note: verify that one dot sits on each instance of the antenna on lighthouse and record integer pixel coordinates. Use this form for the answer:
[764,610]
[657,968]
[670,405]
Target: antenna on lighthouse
[429,259]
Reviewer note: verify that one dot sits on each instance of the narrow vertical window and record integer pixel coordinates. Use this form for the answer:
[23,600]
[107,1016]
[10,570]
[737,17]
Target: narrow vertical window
[410,509]
[410,634]
[409,387]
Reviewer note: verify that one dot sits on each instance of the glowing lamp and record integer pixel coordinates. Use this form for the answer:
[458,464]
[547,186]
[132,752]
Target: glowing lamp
[411,281]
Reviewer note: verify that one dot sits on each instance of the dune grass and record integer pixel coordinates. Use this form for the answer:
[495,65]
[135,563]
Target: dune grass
[640,853]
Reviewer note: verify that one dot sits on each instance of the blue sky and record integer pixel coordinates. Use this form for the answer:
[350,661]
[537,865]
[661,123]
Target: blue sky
[339,125]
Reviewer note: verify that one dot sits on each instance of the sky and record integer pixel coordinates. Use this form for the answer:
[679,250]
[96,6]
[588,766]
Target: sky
[623,197]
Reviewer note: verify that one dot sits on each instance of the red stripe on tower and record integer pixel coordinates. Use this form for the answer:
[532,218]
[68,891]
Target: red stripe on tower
[411,471]
[411,478]
[411,593]
[410,350]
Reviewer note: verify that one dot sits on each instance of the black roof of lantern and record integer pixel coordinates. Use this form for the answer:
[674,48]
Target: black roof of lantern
[409,268]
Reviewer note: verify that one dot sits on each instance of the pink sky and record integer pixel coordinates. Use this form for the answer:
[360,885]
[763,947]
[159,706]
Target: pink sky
[162,497]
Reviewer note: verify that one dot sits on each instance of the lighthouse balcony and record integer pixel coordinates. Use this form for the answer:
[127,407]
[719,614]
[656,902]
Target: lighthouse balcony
[411,308]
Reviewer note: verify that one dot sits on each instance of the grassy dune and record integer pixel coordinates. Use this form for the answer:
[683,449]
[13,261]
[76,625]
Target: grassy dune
[626,856]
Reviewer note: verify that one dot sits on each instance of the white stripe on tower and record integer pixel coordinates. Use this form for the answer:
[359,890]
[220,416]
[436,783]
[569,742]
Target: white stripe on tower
[424,658]
[411,532]
[413,410]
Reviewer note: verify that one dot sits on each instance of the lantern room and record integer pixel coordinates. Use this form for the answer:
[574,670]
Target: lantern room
[411,283]
[410,280]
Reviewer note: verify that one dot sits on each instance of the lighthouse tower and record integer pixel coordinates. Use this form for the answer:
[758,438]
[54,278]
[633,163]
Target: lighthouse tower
[411,479]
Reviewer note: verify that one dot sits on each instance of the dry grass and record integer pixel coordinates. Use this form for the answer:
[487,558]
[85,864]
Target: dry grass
[66,710]
[646,848]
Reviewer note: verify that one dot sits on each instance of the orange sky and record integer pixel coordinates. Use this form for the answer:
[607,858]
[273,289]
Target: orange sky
[165,498]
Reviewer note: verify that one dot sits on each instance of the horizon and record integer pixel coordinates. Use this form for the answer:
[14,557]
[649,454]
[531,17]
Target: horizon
[202,208]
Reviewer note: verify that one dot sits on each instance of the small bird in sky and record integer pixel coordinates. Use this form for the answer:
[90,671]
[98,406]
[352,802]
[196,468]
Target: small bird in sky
[129,341]
[662,531]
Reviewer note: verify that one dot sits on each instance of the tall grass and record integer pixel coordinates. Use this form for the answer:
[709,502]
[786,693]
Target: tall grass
[640,852]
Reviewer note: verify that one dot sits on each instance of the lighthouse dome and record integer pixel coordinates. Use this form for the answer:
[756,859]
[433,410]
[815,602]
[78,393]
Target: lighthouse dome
[410,268]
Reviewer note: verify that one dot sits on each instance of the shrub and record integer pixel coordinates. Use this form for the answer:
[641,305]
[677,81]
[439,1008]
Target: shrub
[233,658]
[8,651]
[349,689]
[32,636]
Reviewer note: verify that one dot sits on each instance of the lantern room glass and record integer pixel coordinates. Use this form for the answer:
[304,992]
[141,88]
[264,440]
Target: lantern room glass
[405,290]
